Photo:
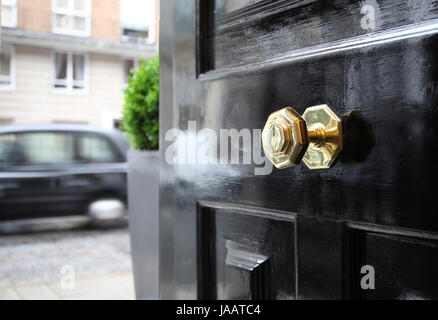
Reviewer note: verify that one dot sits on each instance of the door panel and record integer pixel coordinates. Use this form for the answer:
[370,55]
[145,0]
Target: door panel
[22,188]
[236,257]
[374,206]
[256,31]
[404,262]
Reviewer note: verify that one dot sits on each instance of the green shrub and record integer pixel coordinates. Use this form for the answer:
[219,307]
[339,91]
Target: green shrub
[140,110]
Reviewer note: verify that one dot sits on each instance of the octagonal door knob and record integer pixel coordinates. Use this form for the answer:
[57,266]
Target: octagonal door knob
[315,137]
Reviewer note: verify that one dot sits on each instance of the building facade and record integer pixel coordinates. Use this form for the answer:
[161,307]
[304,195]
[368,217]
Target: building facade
[67,61]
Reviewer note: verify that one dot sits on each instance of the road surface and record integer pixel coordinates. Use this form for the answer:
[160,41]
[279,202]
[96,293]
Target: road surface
[75,264]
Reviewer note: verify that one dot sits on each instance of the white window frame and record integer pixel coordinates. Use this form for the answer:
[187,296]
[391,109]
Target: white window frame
[136,66]
[11,77]
[151,33]
[149,40]
[13,5]
[69,81]
[72,12]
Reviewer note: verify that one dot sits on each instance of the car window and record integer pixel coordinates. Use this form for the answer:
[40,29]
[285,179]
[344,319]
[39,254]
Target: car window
[5,151]
[95,148]
[34,148]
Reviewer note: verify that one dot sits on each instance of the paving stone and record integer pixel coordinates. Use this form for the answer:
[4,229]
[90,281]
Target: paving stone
[31,265]
[9,294]
[36,292]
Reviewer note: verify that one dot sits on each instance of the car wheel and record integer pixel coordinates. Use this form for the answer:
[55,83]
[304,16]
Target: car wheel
[107,212]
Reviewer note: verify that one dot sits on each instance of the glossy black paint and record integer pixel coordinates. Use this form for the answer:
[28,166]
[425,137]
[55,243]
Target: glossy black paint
[267,29]
[375,206]
[257,266]
[34,191]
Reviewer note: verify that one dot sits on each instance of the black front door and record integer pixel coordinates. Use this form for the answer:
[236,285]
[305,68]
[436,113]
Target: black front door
[366,228]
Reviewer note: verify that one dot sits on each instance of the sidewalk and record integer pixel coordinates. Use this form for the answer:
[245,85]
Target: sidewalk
[115,286]
[33,265]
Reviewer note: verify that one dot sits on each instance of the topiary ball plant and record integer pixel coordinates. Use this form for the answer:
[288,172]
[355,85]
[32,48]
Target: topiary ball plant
[140,110]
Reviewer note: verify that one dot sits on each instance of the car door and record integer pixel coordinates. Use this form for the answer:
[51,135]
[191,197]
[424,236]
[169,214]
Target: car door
[365,228]
[29,173]
[98,171]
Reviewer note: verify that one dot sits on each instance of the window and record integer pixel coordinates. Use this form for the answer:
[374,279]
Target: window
[36,148]
[46,148]
[117,124]
[71,17]
[141,35]
[138,28]
[138,34]
[7,67]
[129,65]
[94,148]
[9,13]
[70,71]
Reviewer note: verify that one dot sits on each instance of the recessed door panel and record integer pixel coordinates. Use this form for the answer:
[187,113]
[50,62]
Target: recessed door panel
[245,253]
[236,33]
[404,263]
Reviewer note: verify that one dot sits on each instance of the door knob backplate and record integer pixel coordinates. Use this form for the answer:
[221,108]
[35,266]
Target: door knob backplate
[315,137]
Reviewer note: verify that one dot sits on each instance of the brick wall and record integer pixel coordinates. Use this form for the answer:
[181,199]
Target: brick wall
[35,16]
[105,20]
[157,21]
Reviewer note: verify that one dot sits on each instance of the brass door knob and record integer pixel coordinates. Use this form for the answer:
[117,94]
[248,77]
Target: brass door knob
[316,137]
